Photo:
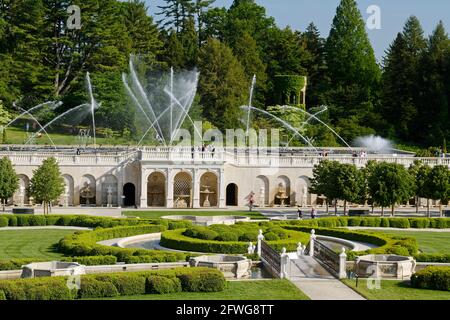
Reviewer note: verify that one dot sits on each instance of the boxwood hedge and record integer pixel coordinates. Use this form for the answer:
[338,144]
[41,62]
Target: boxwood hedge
[84,243]
[435,278]
[115,284]
[15,264]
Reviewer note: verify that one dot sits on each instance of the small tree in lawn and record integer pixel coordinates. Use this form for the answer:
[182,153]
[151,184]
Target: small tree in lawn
[349,184]
[323,181]
[47,184]
[438,185]
[9,182]
[390,184]
[368,171]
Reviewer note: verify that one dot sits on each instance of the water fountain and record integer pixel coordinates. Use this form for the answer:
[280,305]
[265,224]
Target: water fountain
[374,144]
[281,194]
[207,193]
[167,102]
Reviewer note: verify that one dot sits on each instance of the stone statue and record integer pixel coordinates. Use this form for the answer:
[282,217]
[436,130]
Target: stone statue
[305,196]
[109,196]
[66,196]
[262,197]
[21,195]
[281,194]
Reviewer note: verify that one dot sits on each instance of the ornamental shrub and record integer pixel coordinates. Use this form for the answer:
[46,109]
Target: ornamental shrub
[419,223]
[2,295]
[249,236]
[271,236]
[426,257]
[37,221]
[162,285]
[23,221]
[12,221]
[203,281]
[3,222]
[228,237]
[127,284]
[93,288]
[435,278]
[354,222]
[384,223]
[402,223]
[94,260]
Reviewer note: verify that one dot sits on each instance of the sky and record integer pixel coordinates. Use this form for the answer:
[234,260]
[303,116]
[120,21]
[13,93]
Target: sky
[299,13]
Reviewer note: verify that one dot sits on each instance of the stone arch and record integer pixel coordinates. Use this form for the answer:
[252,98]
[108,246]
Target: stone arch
[156,189]
[262,190]
[232,194]
[182,190]
[109,189]
[283,186]
[303,184]
[21,196]
[209,182]
[68,197]
[129,193]
[88,190]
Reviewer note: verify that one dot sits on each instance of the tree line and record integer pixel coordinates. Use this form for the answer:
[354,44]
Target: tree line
[405,98]
[46,185]
[381,184]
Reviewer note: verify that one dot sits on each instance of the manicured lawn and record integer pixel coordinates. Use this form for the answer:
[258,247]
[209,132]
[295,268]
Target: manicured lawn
[30,243]
[396,290]
[429,242]
[159,214]
[237,290]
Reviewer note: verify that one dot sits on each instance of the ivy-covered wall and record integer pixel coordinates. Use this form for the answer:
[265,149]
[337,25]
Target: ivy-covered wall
[288,89]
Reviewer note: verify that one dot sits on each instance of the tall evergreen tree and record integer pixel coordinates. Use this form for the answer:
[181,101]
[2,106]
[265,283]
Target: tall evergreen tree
[174,52]
[189,42]
[401,78]
[434,101]
[222,86]
[352,68]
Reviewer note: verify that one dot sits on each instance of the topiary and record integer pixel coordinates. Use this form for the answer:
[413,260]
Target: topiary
[271,236]
[92,288]
[4,222]
[227,237]
[162,285]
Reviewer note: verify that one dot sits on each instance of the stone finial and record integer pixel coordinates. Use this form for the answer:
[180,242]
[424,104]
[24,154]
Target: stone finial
[260,235]
[313,231]
[343,254]
[283,251]
[250,248]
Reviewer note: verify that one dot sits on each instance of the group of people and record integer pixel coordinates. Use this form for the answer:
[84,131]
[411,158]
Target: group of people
[209,148]
[313,213]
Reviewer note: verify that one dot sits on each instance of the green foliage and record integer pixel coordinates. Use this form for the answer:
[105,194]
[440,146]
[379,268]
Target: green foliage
[115,284]
[47,184]
[9,182]
[3,222]
[435,278]
[288,85]
[222,85]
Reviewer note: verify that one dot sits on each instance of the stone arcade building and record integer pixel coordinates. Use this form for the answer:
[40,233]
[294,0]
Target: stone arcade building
[182,178]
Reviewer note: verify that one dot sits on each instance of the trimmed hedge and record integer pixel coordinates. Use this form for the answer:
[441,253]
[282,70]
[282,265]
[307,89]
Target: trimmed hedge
[175,239]
[115,284]
[3,222]
[84,243]
[386,244]
[435,278]
[429,257]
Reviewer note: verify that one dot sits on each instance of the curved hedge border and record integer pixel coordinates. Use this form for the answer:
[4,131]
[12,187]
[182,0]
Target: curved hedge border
[435,278]
[115,284]
[84,243]
[175,239]
[85,221]
[386,244]
[15,264]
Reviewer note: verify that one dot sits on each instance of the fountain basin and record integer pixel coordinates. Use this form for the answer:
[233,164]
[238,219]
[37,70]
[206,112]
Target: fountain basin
[52,269]
[207,221]
[232,267]
[385,266]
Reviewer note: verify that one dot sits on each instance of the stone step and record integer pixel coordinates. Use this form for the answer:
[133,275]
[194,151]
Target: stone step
[307,267]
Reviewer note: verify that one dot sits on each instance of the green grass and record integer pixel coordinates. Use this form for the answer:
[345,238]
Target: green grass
[396,290]
[429,242]
[159,214]
[30,243]
[236,290]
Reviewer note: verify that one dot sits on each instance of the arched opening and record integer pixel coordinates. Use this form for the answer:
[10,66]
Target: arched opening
[109,191]
[20,198]
[232,195]
[262,191]
[129,193]
[68,194]
[156,190]
[88,191]
[182,190]
[208,190]
[283,191]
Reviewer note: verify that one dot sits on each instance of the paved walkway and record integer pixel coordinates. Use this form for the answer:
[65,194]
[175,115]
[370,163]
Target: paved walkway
[317,283]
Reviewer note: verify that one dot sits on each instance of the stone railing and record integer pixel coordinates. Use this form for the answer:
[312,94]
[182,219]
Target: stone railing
[237,157]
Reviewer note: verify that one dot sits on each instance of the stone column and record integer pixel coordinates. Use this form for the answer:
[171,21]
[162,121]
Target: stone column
[222,189]
[311,242]
[260,239]
[169,191]
[143,184]
[120,184]
[343,264]
[196,189]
